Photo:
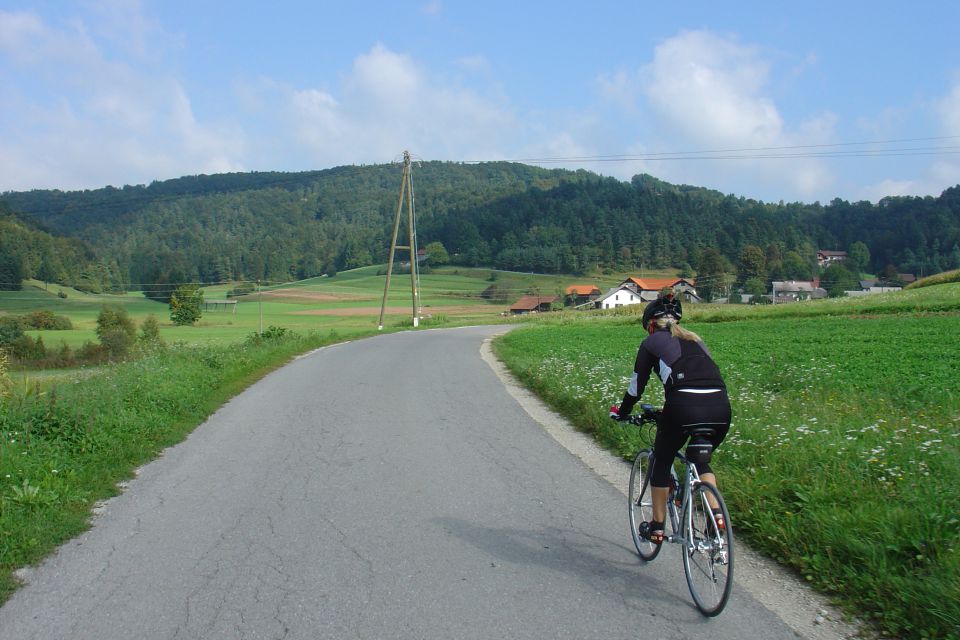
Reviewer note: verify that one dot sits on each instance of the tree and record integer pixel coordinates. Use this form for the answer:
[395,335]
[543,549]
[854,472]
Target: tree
[795,267]
[711,274]
[954,258]
[837,280]
[11,328]
[858,255]
[115,329]
[436,254]
[755,287]
[752,264]
[150,331]
[185,305]
[11,271]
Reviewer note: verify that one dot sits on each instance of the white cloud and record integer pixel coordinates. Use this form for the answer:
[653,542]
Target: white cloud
[706,92]
[433,8]
[387,104]
[948,110]
[709,87]
[99,120]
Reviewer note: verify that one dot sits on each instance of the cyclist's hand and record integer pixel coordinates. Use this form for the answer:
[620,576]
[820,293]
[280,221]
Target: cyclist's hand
[615,413]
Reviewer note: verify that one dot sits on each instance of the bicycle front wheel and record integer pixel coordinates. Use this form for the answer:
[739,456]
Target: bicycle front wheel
[641,503]
[708,552]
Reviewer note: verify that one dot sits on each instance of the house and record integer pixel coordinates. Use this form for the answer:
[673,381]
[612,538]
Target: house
[649,288]
[796,290]
[578,294]
[868,287]
[906,278]
[619,297]
[826,257]
[532,304]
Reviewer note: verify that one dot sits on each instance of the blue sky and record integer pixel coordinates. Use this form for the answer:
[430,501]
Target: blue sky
[849,99]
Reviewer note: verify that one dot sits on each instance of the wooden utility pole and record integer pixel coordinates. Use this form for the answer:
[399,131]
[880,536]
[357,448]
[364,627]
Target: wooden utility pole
[406,192]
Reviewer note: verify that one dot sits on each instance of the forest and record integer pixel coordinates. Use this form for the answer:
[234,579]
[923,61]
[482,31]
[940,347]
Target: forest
[273,226]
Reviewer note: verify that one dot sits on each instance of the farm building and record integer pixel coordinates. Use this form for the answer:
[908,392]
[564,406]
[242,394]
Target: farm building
[796,290]
[532,304]
[649,288]
[826,257]
[578,294]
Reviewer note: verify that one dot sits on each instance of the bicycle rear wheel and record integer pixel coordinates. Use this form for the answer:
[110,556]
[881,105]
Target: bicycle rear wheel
[708,554]
[641,503]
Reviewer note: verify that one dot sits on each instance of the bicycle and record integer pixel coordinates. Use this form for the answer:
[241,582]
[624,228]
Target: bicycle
[707,547]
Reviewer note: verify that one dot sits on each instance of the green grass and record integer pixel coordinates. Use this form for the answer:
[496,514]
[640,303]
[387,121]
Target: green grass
[843,458]
[940,278]
[348,302]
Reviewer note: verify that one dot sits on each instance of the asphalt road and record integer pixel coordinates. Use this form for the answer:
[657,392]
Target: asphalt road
[385,488]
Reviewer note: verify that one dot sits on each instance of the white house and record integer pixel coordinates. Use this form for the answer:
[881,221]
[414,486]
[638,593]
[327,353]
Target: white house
[793,290]
[619,297]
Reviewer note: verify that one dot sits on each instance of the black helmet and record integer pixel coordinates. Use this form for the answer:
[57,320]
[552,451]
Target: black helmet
[665,305]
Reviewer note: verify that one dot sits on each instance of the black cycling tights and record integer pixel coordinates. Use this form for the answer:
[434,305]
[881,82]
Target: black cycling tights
[681,411]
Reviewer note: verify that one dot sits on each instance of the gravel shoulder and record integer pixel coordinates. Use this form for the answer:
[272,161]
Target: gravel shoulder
[807,613]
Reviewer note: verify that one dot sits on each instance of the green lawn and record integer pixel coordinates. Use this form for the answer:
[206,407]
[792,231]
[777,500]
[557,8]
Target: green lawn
[347,303]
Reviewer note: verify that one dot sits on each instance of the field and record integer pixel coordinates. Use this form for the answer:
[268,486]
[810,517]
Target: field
[843,457]
[345,303]
[842,462]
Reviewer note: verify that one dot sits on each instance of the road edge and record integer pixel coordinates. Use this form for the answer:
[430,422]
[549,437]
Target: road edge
[810,615]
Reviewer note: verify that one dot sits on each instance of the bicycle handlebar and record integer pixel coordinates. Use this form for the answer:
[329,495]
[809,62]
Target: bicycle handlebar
[649,413]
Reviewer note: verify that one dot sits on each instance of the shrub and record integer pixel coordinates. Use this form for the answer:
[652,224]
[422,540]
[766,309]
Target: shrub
[115,330]
[185,305]
[11,328]
[270,334]
[241,290]
[5,383]
[26,348]
[150,331]
[116,342]
[46,320]
[91,352]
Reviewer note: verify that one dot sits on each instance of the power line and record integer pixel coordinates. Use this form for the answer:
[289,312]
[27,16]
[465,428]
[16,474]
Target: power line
[785,151]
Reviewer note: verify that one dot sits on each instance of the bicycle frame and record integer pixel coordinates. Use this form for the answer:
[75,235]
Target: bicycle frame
[693,514]
[690,479]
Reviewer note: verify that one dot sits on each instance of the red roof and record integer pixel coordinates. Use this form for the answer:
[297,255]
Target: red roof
[529,303]
[581,289]
[654,284]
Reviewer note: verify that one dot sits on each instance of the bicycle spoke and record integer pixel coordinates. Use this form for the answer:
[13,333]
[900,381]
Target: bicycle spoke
[708,558]
[641,503]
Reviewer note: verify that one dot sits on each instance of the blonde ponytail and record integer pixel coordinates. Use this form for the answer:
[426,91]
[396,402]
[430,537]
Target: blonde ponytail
[676,330]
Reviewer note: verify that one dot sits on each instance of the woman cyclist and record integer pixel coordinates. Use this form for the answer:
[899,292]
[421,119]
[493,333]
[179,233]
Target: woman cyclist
[695,395]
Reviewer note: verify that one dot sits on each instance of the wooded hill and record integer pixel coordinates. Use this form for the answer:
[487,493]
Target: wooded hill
[280,226]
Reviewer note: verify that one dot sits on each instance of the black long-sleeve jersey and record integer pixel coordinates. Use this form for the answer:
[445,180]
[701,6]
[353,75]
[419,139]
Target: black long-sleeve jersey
[682,365]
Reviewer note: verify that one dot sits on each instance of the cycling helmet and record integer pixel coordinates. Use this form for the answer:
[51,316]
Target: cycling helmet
[665,305]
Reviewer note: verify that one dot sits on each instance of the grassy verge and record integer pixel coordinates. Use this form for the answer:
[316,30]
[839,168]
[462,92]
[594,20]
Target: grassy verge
[64,445]
[843,458]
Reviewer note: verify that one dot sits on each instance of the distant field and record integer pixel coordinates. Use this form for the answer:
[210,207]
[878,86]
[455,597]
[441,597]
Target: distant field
[347,302]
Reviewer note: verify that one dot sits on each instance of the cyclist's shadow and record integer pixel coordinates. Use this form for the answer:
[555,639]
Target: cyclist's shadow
[606,566]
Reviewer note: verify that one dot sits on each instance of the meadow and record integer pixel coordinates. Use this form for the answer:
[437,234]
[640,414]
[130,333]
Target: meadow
[843,457]
[347,302]
[841,463]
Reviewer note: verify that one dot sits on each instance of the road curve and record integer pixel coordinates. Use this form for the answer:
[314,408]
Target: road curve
[385,488]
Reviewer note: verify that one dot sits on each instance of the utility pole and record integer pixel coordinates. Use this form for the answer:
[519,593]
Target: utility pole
[406,192]
[260,305]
